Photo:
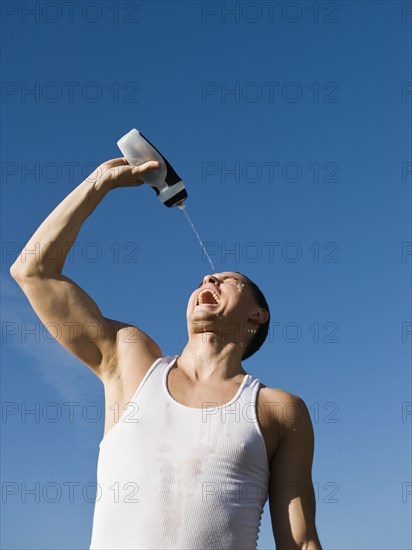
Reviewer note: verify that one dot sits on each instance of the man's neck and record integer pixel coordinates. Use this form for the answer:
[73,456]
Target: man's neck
[205,358]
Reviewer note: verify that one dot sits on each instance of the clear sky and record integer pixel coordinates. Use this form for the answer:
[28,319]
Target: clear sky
[290,125]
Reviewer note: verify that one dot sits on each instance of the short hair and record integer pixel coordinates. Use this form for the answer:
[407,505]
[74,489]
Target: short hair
[263,329]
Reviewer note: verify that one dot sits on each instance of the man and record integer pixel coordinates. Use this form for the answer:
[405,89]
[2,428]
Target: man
[200,443]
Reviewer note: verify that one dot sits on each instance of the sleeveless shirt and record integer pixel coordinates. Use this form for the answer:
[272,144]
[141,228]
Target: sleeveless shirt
[171,476]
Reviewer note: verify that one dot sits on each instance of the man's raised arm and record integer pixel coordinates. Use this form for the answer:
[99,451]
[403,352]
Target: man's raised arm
[57,299]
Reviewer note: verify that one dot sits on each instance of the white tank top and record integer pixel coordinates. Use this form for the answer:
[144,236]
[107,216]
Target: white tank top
[171,476]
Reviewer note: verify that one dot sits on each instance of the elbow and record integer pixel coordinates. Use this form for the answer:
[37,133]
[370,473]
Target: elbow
[15,271]
[20,272]
[310,542]
[313,544]
[23,269]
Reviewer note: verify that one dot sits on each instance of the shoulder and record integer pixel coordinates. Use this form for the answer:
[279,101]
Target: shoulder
[133,353]
[284,408]
[280,397]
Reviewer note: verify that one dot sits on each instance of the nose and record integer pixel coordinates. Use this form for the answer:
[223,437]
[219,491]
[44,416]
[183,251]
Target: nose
[210,279]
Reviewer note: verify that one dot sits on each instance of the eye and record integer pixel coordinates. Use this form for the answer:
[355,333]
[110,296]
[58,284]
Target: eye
[231,280]
[236,281]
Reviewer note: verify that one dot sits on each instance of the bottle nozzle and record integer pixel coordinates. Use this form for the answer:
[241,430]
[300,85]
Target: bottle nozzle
[181,205]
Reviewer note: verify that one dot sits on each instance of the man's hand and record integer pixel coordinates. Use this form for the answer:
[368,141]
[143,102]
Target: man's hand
[119,173]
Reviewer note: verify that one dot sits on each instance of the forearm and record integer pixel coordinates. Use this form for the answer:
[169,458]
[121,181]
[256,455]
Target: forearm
[46,251]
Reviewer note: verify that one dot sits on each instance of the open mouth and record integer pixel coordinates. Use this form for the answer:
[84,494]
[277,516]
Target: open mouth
[208,296]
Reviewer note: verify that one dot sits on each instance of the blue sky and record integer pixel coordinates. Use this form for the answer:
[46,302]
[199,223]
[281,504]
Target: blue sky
[290,125]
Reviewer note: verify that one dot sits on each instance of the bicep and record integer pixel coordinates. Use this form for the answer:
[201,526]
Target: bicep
[71,316]
[291,494]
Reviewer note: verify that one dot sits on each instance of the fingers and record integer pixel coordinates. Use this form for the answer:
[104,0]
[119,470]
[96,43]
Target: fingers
[148,165]
[121,161]
[118,172]
[126,175]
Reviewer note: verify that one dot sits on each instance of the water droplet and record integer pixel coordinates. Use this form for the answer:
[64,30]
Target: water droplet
[183,209]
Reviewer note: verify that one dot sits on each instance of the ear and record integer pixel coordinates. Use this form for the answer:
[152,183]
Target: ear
[259,315]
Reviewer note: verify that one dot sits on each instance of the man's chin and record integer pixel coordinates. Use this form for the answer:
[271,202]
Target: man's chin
[204,316]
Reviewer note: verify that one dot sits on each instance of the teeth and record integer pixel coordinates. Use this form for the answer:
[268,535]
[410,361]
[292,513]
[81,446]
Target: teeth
[214,294]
